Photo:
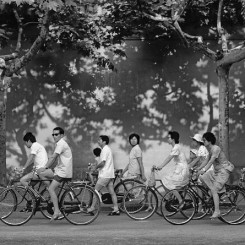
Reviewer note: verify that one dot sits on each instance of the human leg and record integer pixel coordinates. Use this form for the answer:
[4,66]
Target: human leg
[91,178]
[97,188]
[113,197]
[52,191]
[46,174]
[26,178]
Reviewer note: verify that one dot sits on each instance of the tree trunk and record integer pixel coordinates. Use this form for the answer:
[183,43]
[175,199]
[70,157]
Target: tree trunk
[3,97]
[223,77]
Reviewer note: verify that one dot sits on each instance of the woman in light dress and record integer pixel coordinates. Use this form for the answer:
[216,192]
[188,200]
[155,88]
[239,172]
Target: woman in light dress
[215,179]
[179,177]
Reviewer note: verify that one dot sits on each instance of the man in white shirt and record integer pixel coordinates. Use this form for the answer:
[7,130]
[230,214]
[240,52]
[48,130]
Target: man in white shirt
[62,171]
[38,156]
[106,174]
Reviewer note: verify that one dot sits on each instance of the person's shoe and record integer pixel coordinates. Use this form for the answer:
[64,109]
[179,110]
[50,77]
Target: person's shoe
[215,215]
[56,216]
[114,213]
[90,211]
[149,209]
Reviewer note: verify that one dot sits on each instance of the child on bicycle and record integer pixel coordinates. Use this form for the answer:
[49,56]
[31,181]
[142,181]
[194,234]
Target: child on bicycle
[92,171]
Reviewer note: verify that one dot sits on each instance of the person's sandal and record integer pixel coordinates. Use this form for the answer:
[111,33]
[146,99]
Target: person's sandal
[56,216]
[114,213]
[215,215]
[149,209]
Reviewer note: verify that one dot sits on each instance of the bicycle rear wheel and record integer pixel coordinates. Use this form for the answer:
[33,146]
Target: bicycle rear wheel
[122,187]
[75,202]
[46,207]
[24,207]
[232,207]
[137,201]
[202,201]
[160,192]
[175,212]
[8,203]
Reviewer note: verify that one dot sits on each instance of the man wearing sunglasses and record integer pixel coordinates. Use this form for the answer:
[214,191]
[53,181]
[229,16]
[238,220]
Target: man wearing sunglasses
[63,169]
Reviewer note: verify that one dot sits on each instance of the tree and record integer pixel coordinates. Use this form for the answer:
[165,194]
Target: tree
[214,19]
[70,24]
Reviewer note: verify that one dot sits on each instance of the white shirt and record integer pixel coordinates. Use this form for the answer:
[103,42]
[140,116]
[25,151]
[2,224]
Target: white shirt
[64,167]
[134,167]
[41,156]
[108,170]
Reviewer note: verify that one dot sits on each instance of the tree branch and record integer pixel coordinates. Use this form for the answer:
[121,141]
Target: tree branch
[21,62]
[220,29]
[234,56]
[20,30]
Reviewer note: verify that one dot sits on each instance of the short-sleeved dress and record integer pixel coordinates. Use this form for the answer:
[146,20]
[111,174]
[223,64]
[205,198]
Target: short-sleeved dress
[134,167]
[180,175]
[215,179]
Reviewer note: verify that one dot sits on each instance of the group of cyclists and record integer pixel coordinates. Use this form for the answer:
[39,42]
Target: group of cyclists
[206,157]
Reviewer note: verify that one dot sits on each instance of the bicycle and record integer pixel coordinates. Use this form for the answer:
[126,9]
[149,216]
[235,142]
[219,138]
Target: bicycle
[18,203]
[142,201]
[121,186]
[197,203]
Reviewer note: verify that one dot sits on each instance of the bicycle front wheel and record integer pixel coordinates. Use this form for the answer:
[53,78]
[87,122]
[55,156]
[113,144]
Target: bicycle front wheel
[140,202]
[24,207]
[122,187]
[178,206]
[8,203]
[232,207]
[75,202]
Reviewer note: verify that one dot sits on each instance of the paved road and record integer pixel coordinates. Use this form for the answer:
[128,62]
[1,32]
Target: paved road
[121,229]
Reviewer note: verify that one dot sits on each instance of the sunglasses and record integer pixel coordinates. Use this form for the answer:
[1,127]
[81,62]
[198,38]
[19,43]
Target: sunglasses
[55,134]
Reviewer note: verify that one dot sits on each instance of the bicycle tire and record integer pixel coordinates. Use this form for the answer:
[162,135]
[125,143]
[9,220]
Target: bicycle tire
[8,203]
[160,192]
[202,201]
[171,210]
[75,202]
[46,207]
[137,200]
[24,207]
[232,207]
[121,188]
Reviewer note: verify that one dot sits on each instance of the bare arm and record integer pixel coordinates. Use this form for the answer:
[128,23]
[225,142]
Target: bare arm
[194,162]
[51,160]
[29,161]
[100,165]
[208,165]
[166,161]
[125,170]
[142,171]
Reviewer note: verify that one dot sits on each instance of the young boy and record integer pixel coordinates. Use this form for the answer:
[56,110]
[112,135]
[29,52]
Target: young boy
[93,173]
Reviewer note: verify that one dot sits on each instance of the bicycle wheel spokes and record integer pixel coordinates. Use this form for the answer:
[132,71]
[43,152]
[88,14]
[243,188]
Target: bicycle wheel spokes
[140,202]
[201,197]
[7,203]
[75,202]
[24,207]
[232,207]
[176,212]
[122,187]
[46,207]
[160,192]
